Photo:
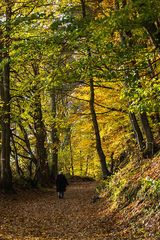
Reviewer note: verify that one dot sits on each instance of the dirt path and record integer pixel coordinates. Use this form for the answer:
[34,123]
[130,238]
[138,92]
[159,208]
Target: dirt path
[41,215]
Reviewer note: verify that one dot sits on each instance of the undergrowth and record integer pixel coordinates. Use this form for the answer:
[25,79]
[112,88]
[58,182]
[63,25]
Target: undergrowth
[134,192]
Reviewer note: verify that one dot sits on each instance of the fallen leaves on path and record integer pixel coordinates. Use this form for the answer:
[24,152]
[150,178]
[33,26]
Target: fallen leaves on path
[41,215]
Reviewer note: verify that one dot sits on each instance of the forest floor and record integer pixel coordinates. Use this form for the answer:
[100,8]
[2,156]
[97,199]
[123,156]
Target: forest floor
[39,215]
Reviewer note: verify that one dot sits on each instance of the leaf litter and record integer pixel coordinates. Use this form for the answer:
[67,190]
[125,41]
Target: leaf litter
[40,215]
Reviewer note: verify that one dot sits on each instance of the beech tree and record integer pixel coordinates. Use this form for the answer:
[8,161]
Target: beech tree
[6,173]
[77,79]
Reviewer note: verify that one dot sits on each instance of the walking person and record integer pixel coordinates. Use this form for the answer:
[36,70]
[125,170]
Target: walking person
[61,184]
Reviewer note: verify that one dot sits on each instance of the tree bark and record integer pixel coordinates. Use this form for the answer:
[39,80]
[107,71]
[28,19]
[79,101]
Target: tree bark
[27,142]
[154,33]
[71,155]
[102,157]
[42,175]
[6,173]
[150,144]
[18,169]
[54,137]
[137,131]
[100,152]
[42,168]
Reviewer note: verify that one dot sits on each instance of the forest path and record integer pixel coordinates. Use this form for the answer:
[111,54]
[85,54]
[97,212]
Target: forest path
[39,215]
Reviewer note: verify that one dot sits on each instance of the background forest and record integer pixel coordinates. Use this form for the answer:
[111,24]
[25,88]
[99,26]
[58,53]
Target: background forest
[79,87]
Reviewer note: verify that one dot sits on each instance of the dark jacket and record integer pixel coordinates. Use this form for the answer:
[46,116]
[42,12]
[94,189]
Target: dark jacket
[61,183]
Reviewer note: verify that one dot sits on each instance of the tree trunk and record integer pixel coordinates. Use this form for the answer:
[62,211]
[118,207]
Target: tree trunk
[18,169]
[1,93]
[100,152]
[6,173]
[87,166]
[112,163]
[27,142]
[42,168]
[137,131]
[71,157]
[42,175]
[105,171]
[154,33]
[150,144]
[54,137]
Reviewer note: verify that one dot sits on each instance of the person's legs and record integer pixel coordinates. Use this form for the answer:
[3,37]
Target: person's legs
[61,194]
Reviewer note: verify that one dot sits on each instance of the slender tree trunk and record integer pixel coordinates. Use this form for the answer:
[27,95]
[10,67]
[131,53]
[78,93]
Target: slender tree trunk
[100,152]
[80,163]
[71,155]
[137,131]
[154,33]
[30,169]
[150,144]
[87,166]
[27,142]
[55,139]
[19,170]
[112,163]
[83,5]
[135,126]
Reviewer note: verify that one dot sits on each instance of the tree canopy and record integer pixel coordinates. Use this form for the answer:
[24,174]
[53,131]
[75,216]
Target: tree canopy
[79,86]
